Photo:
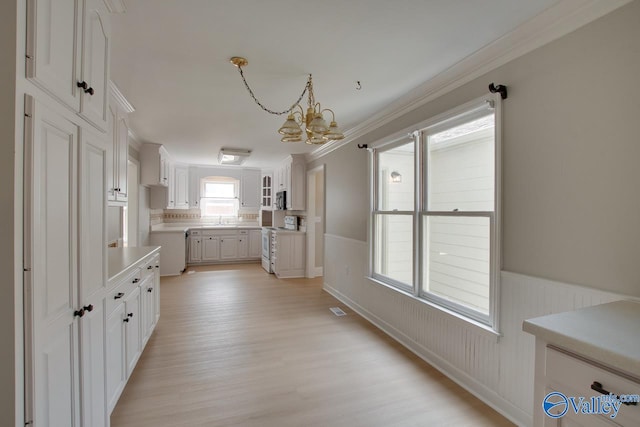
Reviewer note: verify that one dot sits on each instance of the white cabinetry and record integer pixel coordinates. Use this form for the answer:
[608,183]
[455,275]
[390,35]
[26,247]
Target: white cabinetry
[68,54]
[291,177]
[219,245]
[255,243]
[118,132]
[210,248]
[65,269]
[250,189]
[267,191]
[587,353]
[288,253]
[154,165]
[132,312]
[181,187]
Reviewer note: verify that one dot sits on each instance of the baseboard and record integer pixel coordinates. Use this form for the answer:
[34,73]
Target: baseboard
[488,396]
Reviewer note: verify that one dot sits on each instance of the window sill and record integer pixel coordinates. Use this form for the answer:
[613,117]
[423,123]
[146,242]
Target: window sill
[481,328]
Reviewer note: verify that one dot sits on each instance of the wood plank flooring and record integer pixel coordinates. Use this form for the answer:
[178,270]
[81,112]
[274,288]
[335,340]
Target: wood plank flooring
[238,347]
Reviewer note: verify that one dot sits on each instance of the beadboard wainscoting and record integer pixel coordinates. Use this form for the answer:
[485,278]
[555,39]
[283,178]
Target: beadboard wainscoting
[500,371]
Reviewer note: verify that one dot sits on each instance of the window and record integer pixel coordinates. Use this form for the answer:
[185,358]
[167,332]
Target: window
[219,197]
[434,217]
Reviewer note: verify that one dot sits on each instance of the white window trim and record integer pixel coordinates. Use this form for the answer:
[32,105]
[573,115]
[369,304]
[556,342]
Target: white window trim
[415,132]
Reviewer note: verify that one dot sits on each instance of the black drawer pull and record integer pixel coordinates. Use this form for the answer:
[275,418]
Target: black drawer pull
[136,280]
[125,320]
[118,295]
[129,314]
[149,289]
[596,386]
[150,267]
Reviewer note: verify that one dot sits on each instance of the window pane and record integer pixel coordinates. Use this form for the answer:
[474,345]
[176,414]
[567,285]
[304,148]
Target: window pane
[395,178]
[218,207]
[456,261]
[461,167]
[394,247]
[219,189]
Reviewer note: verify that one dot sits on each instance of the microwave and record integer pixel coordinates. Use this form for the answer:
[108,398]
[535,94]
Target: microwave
[281,200]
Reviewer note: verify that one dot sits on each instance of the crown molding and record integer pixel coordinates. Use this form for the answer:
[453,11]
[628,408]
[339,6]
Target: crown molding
[120,99]
[551,24]
[115,6]
[133,141]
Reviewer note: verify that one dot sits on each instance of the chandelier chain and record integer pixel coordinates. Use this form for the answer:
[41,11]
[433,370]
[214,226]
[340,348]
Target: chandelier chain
[277,113]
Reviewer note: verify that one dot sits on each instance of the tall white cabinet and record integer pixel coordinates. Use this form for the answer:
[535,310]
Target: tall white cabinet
[66,140]
[66,265]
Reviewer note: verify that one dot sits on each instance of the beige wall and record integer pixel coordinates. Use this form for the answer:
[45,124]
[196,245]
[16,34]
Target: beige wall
[570,158]
[11,298]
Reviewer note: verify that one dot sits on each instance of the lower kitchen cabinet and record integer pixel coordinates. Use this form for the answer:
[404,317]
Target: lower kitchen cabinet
[212,246]
[133,310]
[288,253]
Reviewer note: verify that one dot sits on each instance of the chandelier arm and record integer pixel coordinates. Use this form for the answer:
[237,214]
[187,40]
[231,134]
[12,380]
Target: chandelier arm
[277,113]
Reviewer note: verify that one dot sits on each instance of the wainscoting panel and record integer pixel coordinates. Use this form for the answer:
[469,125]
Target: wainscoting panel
[497,370]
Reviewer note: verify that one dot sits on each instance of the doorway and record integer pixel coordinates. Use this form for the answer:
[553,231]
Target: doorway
[315,221]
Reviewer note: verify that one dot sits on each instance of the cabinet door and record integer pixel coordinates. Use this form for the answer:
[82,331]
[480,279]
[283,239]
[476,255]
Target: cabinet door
[255,244]
[92,276]
[52,46]
[147,309]
[250,189]
[211,248]
[228,247]
[95,63]
[296,194]
[181,183]
[92,327]
[122,157]
[156,290]
[195,249]
[243,246]
[297,252]
[132,329]
[51,282]
[116,356]
[112,150]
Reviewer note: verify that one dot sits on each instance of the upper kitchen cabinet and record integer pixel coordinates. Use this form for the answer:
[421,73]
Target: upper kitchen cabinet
[154,165]
[250,189]
[118,130]
[181,187]
[267,191]
[291,177]
[68,54]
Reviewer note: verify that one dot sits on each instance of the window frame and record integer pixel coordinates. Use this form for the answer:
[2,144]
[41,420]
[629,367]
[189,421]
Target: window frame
[220,179]
[419,134]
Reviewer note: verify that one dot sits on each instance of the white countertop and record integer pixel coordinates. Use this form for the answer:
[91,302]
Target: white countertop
[122,258]
[182,227]
[284,230]
[607,333]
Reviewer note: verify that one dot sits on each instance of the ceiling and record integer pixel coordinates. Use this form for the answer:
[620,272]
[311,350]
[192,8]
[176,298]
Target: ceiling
[170,59]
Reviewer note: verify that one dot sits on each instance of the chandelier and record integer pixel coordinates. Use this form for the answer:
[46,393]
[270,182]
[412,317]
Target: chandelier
[316,130]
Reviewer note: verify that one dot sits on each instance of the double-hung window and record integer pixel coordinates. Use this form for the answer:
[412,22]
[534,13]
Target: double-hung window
[219,197]
[435,212]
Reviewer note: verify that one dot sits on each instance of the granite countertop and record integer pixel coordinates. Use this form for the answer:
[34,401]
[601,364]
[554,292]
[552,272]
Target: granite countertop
[182,227]
[606,333]
[122,258]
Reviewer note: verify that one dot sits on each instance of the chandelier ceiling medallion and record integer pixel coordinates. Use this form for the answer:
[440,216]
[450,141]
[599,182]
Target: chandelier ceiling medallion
[316,130]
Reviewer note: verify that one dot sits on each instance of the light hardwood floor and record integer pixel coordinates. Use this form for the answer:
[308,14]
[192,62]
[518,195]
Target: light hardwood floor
[238,347]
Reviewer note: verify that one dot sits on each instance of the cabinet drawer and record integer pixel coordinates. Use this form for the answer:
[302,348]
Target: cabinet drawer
[574,377]
[148,267]
[117,295]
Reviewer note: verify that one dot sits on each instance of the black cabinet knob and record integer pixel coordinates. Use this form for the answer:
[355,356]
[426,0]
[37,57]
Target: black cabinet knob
[79,313]
[136,280]
[129,314]
[157,266]
[83,85]
[118,295]
[90,91]
[88,307]
[125,320]
[150,267]
[149,289]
